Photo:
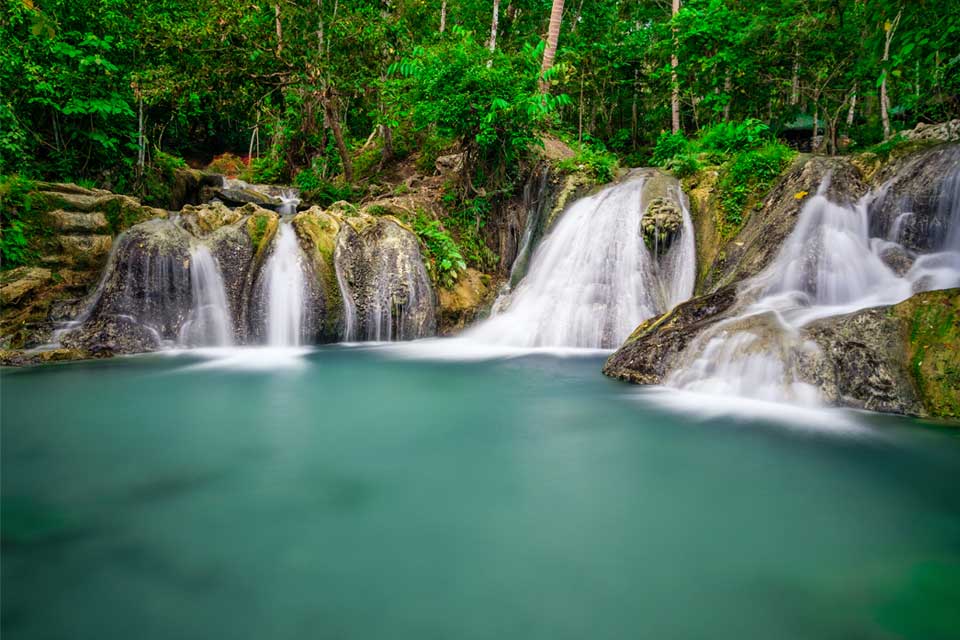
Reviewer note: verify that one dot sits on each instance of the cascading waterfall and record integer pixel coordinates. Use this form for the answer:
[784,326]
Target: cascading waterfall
[592,279]
[828,266]
[285,288]
[209,323]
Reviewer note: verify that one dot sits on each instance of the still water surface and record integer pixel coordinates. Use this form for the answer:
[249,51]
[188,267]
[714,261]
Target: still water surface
[351,493]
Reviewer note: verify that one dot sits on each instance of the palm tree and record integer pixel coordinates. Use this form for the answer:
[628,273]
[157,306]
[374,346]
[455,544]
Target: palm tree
[553,34]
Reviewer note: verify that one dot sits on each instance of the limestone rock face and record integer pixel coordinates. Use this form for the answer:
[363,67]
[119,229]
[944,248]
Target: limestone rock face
[145,295]
[764,231]
[317,231]
[381,270]
[915,206]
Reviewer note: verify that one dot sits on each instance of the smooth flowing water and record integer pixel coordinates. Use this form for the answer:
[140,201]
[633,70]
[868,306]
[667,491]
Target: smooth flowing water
[209,323]
[829,265]
[355,495]
[593,280]
[285,289]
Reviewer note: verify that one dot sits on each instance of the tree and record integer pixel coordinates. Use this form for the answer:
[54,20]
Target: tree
[675,86]
[553,36]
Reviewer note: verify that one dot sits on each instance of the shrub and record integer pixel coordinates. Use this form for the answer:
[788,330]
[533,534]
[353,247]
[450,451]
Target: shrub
[228,164]
[266,170]
[320,191]
[683,165]
[729,137]
[599,163]
[18,221]
[444,259]
[749,175]
[669,145]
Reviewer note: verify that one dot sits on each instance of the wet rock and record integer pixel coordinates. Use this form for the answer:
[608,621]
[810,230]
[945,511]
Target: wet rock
[204,219]
[21,282]
[915,206]
[77,222]
[899,359]
[760,238]
[317,231]
[389,295]
[460,305]
[655,346]
[85,251]
[661,224]
[897,258]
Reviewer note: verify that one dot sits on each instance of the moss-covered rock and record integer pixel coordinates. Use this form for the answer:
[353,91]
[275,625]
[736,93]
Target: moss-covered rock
[261,227]
[655,346]
[661,223]
[317,231]
[460,305]
[931,333]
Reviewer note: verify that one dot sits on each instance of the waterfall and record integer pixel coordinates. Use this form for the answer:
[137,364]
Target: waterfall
[592,279]
[829,265]
[285,285]
[209,323]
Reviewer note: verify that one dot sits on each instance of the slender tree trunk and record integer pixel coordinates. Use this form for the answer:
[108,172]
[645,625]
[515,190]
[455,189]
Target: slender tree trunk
[333,121]
[276,12]
[795,83]
[580,112]
[727,88]
[813,138]
[493,25]
[443,16]
[633,110]
[553,36]
[853,105]
[890,28]
[675,95]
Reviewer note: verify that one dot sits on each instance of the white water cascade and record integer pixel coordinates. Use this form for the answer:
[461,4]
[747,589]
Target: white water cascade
[829,265]
[285,290]
[592,279]
[209,323]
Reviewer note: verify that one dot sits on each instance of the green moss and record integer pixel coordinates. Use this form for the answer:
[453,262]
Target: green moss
[260,228]
[933,342]
[320,230]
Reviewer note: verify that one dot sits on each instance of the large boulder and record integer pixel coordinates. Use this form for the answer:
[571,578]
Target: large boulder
[318,231]
[655,346]
[461,304]
[899,359]
[382,272]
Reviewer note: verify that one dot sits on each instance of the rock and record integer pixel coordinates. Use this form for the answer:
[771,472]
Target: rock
[204,219]
[900,358]
[451,164]
[233,250]
[897,259]
[942,132]
[382,270]
[661,224]
[21,282]
[918,184]
[85,251]
[146,294]
[238,197]
[318,231]
[460,305]
[655,346]
[763,233]
[76,222]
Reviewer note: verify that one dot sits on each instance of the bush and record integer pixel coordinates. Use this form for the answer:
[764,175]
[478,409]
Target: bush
[266,170]
[669,145]
[730,137]
[683,165]
[444,259]
[317,190]
[749,175]
[599,163]
[228,164]
[18,221]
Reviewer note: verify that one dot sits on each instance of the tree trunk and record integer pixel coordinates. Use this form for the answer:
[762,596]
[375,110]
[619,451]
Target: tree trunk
[795,83]
[493,25]
[675,94]
[727,88]
[276,11]
[853,105]
[333,121]
[553,36]
[890,28]
[443,16]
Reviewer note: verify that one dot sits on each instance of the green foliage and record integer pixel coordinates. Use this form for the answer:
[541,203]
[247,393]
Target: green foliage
[266,170]
[157,178]
[731,137]
[444,260]
[668,146]
[600,164]
[18,221]
[748,175]
[317,190]
[683,165]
